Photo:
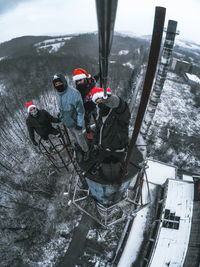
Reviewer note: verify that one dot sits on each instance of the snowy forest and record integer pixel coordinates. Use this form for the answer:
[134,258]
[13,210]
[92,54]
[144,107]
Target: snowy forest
[36,221]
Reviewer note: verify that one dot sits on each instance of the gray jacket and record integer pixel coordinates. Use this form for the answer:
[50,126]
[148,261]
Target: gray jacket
[71,107]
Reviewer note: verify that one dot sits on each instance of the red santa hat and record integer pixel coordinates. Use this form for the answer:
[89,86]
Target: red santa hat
[79,74]
[30,105]
[99,93]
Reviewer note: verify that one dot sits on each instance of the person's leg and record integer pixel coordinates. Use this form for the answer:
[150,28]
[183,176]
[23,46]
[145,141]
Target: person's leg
[46,143]
[72,137]
[87,122]
[80,139]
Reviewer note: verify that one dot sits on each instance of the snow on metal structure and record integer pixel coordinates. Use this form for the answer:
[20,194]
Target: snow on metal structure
[135,197]
[160,77]
[56,149]
[60,153]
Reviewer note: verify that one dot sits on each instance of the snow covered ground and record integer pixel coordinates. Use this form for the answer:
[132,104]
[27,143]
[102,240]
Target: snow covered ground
[52,48]
[129,64]
[52,45]
[123,52]
[176,96]
[52,41]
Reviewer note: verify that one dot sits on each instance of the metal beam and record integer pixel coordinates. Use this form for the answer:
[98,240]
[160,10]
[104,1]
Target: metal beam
[106,13]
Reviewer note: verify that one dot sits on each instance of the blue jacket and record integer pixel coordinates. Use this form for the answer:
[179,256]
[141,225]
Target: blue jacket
[71,107]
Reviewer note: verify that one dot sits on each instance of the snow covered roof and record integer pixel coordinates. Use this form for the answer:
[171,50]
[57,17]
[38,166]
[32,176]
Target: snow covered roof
[192,77]
[188,178]
[171,244]
[158,173]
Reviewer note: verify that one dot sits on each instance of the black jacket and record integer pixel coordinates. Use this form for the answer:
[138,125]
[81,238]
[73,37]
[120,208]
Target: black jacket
[113,133]
[41,124]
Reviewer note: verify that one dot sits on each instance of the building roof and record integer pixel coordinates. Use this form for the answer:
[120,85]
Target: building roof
[192,77]
[171,244]
[158,173]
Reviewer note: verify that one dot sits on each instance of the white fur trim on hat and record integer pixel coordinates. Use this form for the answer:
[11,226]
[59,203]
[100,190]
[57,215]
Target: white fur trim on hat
[79,77]
[31,106]
[97,95]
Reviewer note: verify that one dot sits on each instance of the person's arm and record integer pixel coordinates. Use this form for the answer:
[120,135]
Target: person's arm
[55,120]
[80,111]
[51,118]
[59,101]
[120,106]
[123,112]
[112,101]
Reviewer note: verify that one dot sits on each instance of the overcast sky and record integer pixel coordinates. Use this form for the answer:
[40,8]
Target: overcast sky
[51,17]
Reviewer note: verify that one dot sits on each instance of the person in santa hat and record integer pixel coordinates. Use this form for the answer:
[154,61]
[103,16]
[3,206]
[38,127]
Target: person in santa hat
[84,84]
[71,111]
[40,121]
[112,125]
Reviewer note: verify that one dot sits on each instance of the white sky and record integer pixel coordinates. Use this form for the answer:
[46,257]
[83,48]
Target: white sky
[52,17]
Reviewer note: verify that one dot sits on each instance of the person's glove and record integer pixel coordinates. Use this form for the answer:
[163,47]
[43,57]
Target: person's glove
[112,101]
[79,128]
[95,147]
[35,143]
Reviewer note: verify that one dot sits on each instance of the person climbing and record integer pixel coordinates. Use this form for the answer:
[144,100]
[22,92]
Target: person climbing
[40,121]
[71,111]
[84,84]
[112,126]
